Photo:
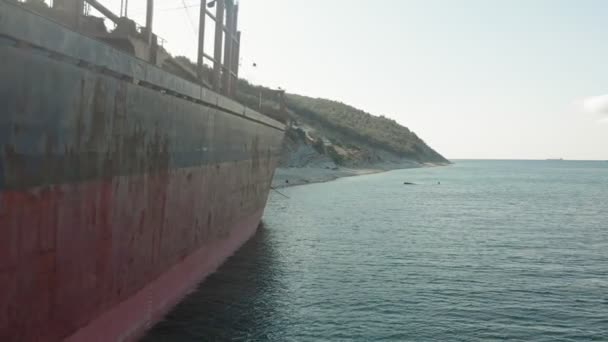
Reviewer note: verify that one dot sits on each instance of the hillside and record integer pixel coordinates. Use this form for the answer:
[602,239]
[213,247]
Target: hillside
[325,133]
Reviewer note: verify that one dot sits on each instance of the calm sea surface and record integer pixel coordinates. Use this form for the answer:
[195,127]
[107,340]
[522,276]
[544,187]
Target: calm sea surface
[500,250]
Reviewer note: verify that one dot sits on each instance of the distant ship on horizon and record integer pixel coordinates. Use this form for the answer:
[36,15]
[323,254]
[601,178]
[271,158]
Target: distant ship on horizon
[554,159]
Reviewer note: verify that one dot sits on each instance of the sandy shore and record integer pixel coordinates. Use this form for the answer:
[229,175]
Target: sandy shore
[284,177]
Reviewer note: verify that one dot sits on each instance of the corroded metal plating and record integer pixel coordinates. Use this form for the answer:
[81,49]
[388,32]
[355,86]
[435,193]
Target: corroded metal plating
[108,183]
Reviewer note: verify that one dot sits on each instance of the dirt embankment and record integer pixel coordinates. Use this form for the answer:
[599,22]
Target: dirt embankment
[310,156]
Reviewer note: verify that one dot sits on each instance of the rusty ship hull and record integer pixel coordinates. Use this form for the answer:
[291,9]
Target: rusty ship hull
[121,186]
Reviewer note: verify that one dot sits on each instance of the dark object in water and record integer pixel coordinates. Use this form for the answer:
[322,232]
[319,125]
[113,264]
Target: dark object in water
[408,183]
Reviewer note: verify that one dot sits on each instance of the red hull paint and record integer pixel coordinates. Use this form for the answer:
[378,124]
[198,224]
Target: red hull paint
[129,319]
[116,196]
[106,259]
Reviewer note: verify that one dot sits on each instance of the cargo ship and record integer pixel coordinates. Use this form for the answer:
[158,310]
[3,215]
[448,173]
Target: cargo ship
[122,184]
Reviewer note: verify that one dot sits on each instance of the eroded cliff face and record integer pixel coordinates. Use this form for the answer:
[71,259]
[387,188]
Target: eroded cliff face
[307,146]
[325,133]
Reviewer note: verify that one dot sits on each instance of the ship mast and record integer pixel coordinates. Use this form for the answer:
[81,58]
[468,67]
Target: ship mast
[149,19]
[225,59]
[224,76]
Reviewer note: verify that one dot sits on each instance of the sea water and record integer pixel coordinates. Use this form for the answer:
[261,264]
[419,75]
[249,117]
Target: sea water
[475,251]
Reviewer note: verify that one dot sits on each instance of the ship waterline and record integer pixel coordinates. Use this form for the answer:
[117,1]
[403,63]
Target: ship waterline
[121,186]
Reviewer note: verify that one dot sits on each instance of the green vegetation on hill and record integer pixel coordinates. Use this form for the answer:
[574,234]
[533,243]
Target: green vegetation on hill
[376,131]
[342,124]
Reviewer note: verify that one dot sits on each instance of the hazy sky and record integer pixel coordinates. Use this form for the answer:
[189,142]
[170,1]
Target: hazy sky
[473,78]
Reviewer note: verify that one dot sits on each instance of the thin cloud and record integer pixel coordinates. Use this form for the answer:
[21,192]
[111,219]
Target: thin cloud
[596,105]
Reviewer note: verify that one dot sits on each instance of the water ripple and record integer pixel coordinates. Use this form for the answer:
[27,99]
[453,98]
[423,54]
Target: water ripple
[499,251]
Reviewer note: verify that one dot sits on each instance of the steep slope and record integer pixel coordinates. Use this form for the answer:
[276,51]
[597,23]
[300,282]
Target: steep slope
[349,128]
[322,130]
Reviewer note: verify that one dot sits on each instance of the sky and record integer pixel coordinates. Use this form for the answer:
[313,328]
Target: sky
[515,79]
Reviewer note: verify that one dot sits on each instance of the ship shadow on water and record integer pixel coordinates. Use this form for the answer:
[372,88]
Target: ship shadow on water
[230,303]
